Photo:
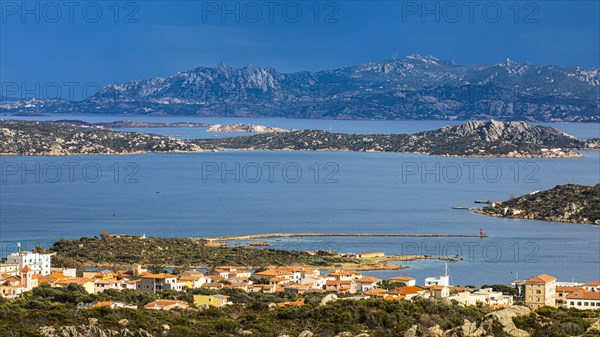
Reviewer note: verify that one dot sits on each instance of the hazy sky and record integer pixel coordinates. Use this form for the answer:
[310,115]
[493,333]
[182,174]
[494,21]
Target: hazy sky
[106,42]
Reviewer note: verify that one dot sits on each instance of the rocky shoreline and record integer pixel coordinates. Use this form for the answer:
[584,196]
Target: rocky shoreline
[563,203]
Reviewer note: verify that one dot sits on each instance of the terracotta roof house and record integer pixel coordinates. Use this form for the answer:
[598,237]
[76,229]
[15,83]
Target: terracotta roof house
[166,305]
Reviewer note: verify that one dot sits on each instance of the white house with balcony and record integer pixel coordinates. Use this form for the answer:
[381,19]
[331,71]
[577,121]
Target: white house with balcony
[38,263]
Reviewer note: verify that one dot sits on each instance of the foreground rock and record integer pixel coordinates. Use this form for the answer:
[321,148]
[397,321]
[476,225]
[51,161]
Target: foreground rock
[501,319]
[61,139]
[246,128]
[563,203]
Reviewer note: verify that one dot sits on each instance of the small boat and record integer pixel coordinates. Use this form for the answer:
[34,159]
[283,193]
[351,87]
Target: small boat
[482,234]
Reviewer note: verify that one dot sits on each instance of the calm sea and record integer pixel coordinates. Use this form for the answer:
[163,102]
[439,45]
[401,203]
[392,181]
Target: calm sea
[228,193]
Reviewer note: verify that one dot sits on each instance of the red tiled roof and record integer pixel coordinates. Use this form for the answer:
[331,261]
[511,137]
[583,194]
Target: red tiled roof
[543,278]
[587,295]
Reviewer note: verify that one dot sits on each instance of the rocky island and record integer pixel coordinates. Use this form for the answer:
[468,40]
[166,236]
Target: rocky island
[25,138]
[563,203]
[472,139]
[135,124]
[244,128]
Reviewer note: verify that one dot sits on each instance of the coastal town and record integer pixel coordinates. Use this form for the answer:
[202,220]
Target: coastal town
[24,271]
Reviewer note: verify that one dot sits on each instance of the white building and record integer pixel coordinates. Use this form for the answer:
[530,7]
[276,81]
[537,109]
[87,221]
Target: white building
[584,300]
[443,280]
[9,268]
[38,263]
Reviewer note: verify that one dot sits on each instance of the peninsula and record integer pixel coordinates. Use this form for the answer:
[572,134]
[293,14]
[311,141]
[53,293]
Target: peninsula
[27,138]
[244,128]
[472,139]
[563,203]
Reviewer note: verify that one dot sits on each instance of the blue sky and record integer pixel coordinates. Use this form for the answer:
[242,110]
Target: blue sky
[143,39]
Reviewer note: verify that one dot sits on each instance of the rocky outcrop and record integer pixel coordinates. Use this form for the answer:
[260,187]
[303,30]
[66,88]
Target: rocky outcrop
[503,318]
[244,128]
[472,139]
[91,330]
[61,139]
[563,203]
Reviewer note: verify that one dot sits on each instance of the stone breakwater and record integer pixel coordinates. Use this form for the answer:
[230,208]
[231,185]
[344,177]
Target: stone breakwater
[295,235]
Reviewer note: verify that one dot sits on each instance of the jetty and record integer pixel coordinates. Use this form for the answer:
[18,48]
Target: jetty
[298,235]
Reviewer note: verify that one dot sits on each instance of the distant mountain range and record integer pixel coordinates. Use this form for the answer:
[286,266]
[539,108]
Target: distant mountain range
[414,87]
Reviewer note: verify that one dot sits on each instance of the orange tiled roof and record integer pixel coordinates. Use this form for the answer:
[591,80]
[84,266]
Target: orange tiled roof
[401,278]
[567,289]
[26,269]
[161,276]
[103,304]
[593,284]
[543,278]
[369,279]
[408,290]
[165,303]
[587,295]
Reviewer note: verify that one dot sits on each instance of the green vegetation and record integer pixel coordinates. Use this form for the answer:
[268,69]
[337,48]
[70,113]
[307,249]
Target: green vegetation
[564,203]
[56,307]
[477,139]
[158,253]
[559,322]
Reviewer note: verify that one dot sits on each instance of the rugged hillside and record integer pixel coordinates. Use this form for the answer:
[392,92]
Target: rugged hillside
[563,203]
[413,87]
[51,138]
[477,139]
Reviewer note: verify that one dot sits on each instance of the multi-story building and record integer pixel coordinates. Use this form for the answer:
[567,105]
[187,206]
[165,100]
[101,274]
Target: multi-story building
[540,291]
[38,263]
[584,300]
[156,283]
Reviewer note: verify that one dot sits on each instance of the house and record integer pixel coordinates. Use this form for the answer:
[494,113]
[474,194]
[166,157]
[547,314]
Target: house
[87,283]
[213,285]
[345,275]
[156,283]
[592,286]
[369,255]
[486,296]
[314,282]
[409,281]
[279,273]
[540,291]
[562,292]
[166,305]
[443,280]
[12,286]
[9,268]
[584,299]
[342,286]
[69,272]
[438,291]
[409,292]
[192,281]
[101,286]
[212,300]
[38,263]
[367,283]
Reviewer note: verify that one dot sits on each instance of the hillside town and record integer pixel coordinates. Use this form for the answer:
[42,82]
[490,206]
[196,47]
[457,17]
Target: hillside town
[26,270]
